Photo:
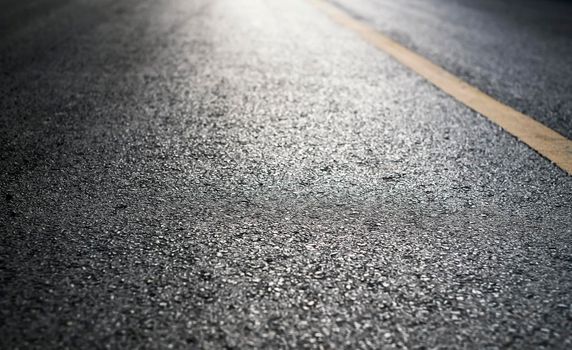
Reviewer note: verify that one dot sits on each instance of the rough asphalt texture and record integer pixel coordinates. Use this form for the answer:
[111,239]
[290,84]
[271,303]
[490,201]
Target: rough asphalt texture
[248,174]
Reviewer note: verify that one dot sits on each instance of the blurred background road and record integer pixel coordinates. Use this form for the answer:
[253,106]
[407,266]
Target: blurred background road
[251,174]
[517,51]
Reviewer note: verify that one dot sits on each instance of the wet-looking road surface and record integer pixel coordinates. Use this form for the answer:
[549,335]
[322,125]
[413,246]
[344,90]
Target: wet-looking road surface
[250,174]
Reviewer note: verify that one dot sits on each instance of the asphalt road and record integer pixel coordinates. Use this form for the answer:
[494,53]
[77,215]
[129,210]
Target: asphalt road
[515,50]
[250,174]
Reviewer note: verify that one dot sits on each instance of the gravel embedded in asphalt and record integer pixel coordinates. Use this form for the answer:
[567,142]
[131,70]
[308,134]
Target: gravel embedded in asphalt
[248,174]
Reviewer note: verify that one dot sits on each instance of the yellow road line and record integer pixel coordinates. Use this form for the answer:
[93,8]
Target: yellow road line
[542,139]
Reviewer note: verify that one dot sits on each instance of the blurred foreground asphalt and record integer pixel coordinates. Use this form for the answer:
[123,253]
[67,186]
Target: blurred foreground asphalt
[248,174]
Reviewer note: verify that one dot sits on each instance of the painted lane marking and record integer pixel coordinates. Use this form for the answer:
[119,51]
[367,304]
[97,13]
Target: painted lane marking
[537,136]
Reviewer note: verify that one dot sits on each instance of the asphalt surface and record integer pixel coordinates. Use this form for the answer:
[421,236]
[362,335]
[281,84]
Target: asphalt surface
[249,174]
[515,50]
